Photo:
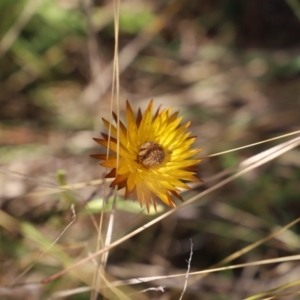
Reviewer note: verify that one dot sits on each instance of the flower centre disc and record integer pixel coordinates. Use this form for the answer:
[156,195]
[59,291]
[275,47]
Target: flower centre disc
[151,154]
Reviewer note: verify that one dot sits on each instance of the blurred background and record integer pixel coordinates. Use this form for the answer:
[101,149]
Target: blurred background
[231,67]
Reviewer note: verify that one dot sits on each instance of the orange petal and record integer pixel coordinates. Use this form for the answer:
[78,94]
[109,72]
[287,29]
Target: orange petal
[103,156]
[111,174]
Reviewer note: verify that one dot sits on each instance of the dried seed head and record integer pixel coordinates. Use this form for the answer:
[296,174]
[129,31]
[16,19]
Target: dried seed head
[151,154]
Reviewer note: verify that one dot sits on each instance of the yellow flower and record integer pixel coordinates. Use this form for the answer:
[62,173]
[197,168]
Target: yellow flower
[154,155]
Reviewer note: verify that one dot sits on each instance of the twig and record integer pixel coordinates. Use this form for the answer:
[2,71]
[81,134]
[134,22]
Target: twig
[157,289]
[188,271]
[92,46]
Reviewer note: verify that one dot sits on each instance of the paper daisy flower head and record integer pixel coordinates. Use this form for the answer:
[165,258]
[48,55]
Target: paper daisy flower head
[155,155]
